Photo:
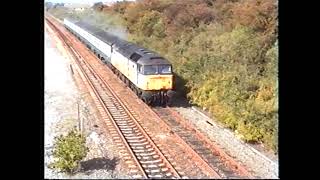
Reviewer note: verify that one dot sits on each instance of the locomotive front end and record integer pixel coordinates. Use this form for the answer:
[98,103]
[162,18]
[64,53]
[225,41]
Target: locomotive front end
[155,78]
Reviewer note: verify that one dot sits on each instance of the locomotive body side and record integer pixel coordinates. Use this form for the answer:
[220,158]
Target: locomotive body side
[147,74]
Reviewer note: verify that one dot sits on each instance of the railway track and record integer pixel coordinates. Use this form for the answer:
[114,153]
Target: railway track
[223,164]
[146,156]
[141,154]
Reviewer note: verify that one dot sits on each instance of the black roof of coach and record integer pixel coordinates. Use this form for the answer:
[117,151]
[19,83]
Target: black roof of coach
[102,35]
[134,52]
[89,28]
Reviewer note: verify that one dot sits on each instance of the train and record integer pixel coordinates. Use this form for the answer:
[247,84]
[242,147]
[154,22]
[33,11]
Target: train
[145,72]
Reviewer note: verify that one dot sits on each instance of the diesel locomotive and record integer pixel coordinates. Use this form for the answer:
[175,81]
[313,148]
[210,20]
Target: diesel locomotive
[148,74]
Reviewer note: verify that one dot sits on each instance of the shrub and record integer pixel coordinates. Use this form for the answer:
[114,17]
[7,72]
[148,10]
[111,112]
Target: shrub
[68,151]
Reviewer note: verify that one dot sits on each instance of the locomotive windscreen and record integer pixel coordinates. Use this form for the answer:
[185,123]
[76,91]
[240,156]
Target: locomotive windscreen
[156,69]
[164,69]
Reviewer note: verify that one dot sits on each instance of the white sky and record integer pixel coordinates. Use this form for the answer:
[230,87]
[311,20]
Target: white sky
[81,1]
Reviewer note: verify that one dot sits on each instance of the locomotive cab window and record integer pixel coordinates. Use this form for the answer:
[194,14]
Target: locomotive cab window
[150,69]
[155,69]
[165,69]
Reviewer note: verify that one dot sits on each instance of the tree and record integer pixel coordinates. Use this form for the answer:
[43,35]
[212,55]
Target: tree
[261,15]
[98,6]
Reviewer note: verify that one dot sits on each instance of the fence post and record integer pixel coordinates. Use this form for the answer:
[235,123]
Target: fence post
[71,70]
[80,120]
[79,124]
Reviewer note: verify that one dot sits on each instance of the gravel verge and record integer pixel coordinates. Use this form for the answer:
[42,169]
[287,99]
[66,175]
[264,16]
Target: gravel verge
[260,163]
[61,115]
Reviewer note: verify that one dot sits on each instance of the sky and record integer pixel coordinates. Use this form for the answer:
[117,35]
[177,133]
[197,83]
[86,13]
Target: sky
[80,1]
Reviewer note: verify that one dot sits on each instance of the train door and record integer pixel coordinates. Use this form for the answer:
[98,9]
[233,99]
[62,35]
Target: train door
[133,67]
[132,71]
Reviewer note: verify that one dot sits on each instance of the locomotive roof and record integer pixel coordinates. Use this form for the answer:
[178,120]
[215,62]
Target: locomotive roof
[126,48]
[153,60]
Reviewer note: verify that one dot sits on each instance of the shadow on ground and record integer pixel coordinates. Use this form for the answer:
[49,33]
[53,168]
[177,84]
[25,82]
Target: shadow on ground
[99,163]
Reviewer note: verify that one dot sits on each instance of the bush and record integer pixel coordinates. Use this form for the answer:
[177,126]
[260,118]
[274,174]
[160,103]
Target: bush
[68,151]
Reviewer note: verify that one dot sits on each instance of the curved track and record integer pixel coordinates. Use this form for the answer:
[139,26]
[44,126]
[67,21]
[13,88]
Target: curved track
[146,156]
[143,156]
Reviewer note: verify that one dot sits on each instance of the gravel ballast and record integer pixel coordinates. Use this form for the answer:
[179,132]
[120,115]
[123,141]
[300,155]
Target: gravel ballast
[258,163]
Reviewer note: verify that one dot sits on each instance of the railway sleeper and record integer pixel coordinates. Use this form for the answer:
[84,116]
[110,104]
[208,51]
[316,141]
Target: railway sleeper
[138,150]
[153,170]
[140,144]
[126,125]
[134,134]
[135,140]
[122,122]
[122,119]
[144,157]
[119,117]
[148,150]
[156,156]
[147,154]
[161,165]
[126,129]
[151,162]
[148,146]
[134,137]
[137,147]
[155,176]
[128,132]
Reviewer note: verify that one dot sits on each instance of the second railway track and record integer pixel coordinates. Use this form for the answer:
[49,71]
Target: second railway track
[223,164]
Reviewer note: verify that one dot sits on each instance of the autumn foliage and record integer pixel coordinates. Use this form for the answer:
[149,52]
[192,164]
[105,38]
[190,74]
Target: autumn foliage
[226,51]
